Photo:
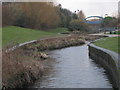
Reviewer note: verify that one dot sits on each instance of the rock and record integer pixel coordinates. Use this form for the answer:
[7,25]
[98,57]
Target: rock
[43,55]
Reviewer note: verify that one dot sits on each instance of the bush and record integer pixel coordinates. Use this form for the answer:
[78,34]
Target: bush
[114,33]
[110,32]
[19,69]
[109,22]
[78,25]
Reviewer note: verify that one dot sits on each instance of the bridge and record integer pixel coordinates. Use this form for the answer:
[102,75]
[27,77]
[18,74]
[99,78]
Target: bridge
[94,19]
[95,23]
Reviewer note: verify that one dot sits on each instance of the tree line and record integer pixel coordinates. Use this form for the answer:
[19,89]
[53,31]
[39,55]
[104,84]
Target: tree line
[110,21]
[30,14]
[40,15]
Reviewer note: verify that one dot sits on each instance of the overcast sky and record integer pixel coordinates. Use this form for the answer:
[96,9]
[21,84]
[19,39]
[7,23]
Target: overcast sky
[92,7]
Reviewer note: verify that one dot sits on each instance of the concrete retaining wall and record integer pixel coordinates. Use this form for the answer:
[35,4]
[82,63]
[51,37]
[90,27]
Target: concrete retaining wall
[107,59]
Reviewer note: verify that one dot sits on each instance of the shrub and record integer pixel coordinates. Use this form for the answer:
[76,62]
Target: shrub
[78,25]
[114,33]
[19,69]
[110,32]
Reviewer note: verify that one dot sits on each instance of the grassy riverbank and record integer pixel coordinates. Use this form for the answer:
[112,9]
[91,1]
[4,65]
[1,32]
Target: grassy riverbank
[59,42]
[24,65]
[14,34]
[110,43]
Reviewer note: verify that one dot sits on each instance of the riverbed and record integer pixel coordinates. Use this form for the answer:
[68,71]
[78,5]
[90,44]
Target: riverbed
[72,68]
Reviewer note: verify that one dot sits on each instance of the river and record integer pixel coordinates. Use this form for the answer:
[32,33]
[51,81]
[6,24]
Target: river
[72,68]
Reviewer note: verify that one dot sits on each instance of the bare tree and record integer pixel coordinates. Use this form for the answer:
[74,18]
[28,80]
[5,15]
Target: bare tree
[81,15]
[32,14]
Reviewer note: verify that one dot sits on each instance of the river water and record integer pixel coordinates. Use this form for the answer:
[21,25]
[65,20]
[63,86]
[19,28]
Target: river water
[72,68]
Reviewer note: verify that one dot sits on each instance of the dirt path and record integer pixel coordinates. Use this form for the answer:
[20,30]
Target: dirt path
[109,35]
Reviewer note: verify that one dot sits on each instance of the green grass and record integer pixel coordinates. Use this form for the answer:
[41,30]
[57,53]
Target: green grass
[19,35]
[110,43]
[59,30]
